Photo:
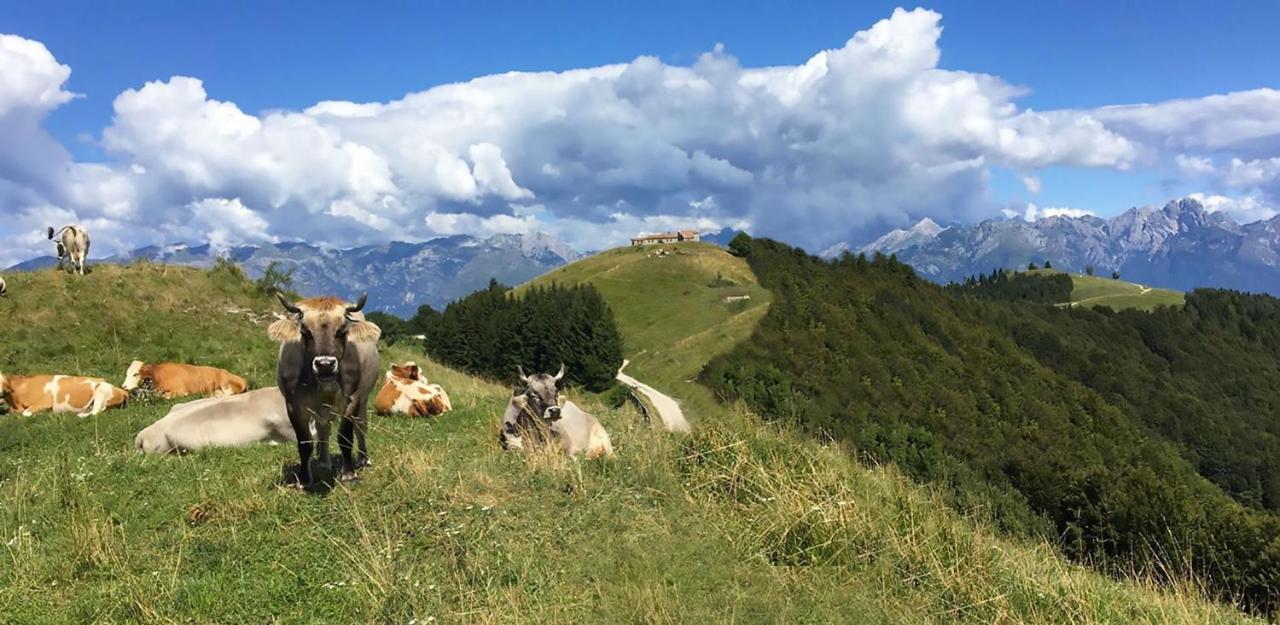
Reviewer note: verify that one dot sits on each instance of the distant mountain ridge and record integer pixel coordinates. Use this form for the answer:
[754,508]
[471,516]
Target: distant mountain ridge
[399,276]
[1180,246]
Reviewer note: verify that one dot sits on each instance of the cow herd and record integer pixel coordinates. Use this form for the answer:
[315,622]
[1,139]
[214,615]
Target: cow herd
[327,367]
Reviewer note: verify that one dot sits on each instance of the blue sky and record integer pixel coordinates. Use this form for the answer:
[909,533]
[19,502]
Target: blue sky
[263,57]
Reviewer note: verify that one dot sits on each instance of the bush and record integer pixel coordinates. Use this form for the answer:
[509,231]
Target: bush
[223,265]
[275,278]
[394,329]
[740,245]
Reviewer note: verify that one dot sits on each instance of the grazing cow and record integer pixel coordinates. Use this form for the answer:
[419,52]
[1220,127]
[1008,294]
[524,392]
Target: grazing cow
[234,421]
[407,392]
[73,246]
[328,366]
[173,380]
[530,410]
[60,393]
[580,432]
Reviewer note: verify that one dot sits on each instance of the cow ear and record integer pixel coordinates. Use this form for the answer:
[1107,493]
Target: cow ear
[285,331]
[363,332]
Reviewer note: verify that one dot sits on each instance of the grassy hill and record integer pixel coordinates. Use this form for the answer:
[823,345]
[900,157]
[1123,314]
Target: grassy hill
[738,522]
[1093,291]
[675,312]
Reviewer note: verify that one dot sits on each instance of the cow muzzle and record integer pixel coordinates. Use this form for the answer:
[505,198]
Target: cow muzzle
[325,366]
[552,414]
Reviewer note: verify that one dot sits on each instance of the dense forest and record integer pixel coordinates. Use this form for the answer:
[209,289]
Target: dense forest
[1016,286]
[491,331]
[1139,441]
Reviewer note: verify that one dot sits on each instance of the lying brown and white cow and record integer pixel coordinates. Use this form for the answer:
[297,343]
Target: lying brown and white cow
[172,380]
[235,421]
[29,394]
[407,392]
[73,246]
[535,418]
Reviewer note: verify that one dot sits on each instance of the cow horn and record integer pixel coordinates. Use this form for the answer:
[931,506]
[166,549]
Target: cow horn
[289,306]
[561,373]
[359,303]
[50,233]
[523,378]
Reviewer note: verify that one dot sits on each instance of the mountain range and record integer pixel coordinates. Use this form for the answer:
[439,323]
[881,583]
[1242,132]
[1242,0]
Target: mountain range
[398,276]
[1180,246]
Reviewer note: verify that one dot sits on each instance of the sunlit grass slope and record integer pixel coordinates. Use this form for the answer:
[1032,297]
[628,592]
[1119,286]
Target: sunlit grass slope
[738,522]
[675,311]
[1094,291]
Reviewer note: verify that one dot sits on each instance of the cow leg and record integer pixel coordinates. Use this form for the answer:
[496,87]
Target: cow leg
[322,441]
[301,423]
[360,418]
[344,445]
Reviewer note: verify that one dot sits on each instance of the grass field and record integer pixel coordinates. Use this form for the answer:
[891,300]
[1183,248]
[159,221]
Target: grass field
[1094,291]
[739,522]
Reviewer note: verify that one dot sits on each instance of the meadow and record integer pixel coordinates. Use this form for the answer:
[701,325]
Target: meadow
[742,521]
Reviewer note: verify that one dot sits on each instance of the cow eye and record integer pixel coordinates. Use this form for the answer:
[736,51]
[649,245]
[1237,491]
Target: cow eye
[306,332]
[342,331]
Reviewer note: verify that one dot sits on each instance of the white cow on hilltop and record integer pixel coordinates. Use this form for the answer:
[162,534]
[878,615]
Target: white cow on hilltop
[73,246]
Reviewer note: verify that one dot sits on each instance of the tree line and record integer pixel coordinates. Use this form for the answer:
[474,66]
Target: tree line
[492,331]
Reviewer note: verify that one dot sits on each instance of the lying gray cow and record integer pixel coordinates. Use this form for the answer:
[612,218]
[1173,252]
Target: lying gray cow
[231,421]
[534,418]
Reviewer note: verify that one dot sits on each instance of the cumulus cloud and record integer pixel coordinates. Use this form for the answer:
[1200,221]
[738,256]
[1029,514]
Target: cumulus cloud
[854,139]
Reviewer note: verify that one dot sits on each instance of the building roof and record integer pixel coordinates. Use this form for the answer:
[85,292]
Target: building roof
[657,236]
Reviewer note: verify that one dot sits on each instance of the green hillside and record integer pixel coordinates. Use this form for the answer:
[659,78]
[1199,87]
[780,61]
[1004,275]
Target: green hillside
[740,521]
[675,312]
[1116,434]
[1094,291]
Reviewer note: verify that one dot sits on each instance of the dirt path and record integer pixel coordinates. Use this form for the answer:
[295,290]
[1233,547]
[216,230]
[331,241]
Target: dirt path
[668,410]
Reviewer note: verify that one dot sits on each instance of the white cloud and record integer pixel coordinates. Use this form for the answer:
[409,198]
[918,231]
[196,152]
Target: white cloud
[837,147]
[32,79]
[1034,213]
[1242,209]
[1229,121]
[492,172]
[1032,184]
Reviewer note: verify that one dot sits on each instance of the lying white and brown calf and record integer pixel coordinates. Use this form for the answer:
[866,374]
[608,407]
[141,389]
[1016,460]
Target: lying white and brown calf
[407,392]
[235,421]
[172,380]
[29,394]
